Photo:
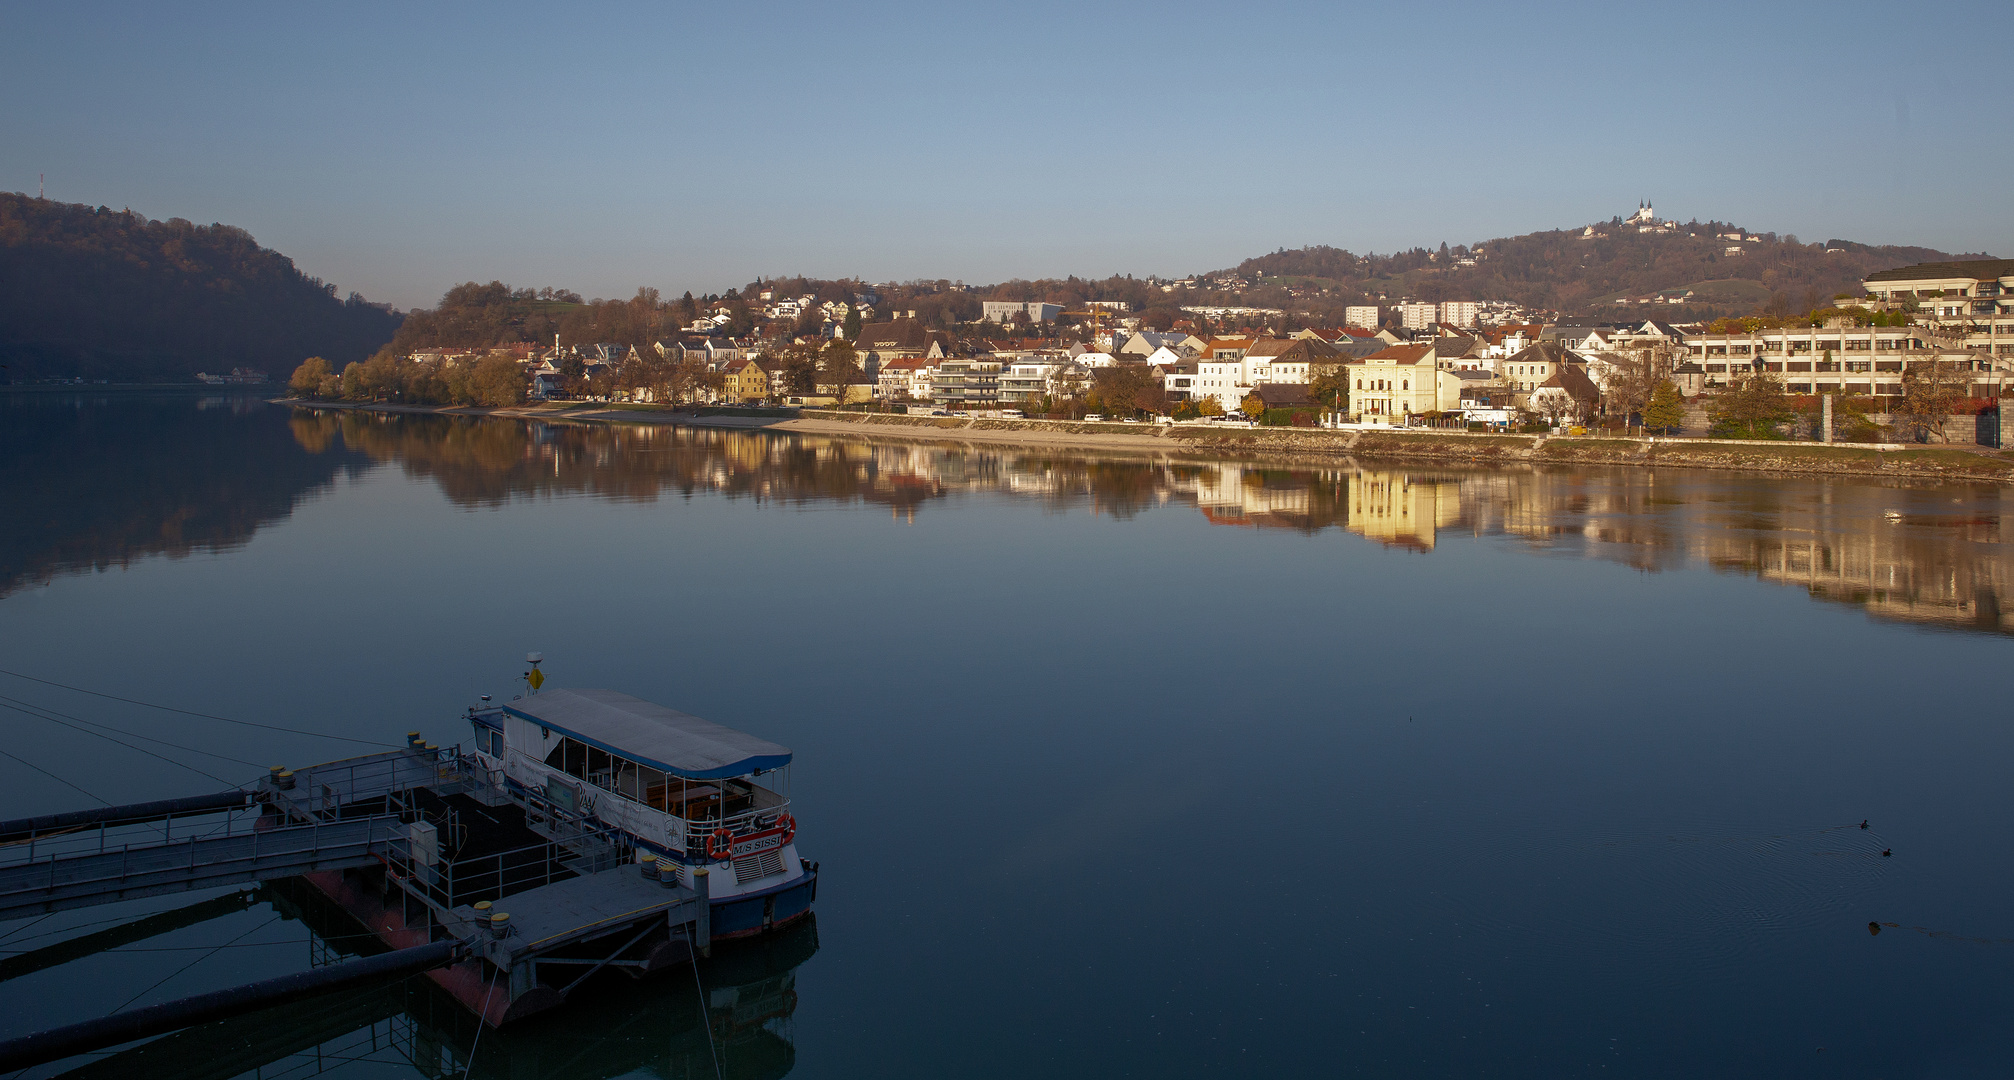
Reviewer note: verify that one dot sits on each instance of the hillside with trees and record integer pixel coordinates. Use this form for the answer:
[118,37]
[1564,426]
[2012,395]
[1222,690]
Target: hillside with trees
[1566,271]
[109,294]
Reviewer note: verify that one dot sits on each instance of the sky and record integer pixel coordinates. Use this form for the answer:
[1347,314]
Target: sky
[398,149]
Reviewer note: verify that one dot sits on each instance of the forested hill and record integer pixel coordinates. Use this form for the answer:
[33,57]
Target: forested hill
[109,294]
[1565,271]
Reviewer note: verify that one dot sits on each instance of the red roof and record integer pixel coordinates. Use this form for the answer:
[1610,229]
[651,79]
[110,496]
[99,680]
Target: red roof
[1401,354]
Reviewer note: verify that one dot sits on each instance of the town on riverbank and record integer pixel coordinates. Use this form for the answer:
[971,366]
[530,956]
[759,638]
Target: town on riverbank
[1919,357]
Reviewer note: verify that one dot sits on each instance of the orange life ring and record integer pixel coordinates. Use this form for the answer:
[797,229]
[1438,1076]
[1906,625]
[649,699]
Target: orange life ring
[720,844]
[788,825]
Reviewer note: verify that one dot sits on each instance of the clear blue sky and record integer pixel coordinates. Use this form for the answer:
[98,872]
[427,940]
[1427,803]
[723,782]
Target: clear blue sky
[396,150]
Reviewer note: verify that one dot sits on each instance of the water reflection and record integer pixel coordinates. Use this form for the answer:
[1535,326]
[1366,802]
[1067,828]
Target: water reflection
[1919,552]
[91,482]
[741,1027]
[107,482]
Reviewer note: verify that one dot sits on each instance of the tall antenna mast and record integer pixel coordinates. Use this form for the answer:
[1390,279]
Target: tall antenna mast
[40,179]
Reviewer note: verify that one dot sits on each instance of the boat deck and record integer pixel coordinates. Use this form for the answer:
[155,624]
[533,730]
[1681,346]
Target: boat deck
[577,909]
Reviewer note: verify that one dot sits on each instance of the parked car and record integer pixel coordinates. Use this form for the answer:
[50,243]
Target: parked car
[1096,417]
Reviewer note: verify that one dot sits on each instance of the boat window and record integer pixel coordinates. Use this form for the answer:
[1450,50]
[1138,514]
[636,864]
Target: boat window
[570,757]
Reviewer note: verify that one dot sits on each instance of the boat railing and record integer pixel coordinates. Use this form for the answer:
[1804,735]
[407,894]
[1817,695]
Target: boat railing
[747,823]
[680,830]
[344,788]
[454,882]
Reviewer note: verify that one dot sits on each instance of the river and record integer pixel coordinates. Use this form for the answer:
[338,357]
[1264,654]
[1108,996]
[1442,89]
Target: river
[1115,765]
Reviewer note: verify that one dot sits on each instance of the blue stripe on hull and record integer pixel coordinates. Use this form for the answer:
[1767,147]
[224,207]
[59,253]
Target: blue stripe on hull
[746,916]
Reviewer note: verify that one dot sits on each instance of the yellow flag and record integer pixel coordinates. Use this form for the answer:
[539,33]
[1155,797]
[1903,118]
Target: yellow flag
[536,678]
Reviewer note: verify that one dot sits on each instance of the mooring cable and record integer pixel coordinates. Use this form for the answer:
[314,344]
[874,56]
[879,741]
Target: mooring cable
[54,777]
[705,1018]
[204,715]
[18,704]
[121,742]
[212,952]
[482,1021]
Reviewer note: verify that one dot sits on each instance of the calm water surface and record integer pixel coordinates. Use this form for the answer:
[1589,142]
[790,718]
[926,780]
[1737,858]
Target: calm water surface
[1115,766]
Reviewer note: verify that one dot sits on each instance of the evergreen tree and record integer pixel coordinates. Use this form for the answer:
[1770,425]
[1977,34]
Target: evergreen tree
[1666,411]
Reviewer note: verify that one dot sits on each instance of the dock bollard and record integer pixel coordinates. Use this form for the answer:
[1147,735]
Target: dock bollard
[647,862]
[667,873]
[284,779]
[499,925]
[413,739]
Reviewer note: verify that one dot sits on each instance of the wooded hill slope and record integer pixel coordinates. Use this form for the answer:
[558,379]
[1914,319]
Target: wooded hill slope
[1561,270]
[107,294]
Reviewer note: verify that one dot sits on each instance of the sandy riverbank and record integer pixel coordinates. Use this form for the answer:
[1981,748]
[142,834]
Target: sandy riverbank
[1301,444]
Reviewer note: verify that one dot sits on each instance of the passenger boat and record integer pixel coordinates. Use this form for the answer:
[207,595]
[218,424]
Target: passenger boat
[686,790]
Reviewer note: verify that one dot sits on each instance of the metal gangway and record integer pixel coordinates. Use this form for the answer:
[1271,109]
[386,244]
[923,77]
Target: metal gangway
[344,814]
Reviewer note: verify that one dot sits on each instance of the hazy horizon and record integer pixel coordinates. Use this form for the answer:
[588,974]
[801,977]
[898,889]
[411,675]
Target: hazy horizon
[395,154]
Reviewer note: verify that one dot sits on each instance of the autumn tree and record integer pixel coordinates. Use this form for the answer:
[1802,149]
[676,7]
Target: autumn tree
[496,380]
[1126,389]
[308,378]
[838,368]
[1329,385]
[1931,390]
[1638,376]
[1253,405]
[1750,408]
[797,368]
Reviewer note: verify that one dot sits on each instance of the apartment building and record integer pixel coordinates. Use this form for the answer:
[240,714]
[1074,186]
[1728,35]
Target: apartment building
[1840,359]
[1973,298]
[1364,316]
[1460,312]
[1418,315]
[963,383]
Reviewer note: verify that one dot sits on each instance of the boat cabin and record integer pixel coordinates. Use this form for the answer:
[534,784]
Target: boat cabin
[685,789]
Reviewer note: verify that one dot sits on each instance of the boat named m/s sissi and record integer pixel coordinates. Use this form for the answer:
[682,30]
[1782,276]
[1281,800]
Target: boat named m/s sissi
[686,790]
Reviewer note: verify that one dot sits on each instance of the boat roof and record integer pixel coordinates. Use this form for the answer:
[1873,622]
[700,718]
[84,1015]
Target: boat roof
[650,734]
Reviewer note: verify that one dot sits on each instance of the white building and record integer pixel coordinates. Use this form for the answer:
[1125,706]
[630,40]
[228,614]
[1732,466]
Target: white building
[1230,379]
[1003,311]
[1842,359]
[1460,312]
[1418,315]
[1364,315]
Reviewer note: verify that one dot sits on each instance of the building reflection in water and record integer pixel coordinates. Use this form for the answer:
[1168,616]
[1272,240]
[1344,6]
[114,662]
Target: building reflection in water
[1916,551]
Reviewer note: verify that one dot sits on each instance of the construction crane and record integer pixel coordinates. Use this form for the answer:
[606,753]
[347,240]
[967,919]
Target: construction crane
[1097,315]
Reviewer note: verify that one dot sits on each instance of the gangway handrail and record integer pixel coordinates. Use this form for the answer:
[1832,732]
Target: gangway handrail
[29,828]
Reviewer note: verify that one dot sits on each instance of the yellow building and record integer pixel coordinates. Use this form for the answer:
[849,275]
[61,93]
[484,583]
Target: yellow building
[1400,508]
[1389,385]
[745,380]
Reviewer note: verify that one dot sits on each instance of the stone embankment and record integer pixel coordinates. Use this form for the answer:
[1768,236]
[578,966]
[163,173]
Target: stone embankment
[1304,444]
[1214,441]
